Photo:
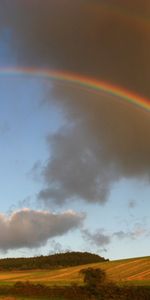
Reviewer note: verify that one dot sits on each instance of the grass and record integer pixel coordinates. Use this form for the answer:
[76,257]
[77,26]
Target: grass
[133,271]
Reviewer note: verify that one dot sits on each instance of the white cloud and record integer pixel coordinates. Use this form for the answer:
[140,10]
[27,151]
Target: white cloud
[31,228]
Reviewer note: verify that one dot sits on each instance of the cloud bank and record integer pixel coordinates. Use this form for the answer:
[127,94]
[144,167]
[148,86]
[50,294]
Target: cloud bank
[30,229]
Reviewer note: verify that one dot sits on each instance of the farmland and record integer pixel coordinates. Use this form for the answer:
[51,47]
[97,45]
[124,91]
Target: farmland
[133,271]
[125,279]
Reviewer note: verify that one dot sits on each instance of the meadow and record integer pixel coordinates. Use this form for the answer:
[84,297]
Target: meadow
[132,271]
[130,276]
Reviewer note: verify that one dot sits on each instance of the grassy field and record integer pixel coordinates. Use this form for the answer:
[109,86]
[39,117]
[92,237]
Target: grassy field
[134,271]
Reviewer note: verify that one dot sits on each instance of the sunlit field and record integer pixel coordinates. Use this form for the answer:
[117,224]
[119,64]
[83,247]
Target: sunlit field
[132,271]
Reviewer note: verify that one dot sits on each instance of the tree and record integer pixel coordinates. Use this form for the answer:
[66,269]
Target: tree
[94,278]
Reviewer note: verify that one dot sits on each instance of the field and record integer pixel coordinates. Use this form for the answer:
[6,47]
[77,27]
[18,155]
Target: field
[131,271]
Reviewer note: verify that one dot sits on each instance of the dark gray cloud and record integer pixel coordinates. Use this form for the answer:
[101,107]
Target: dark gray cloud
[104,140]
[73,170]
[30,229]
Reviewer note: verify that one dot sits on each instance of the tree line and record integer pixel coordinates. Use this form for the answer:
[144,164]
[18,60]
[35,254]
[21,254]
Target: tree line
[58,260]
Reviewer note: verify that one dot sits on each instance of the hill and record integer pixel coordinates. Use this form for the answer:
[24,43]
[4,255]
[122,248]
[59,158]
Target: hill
[134,271]
[67,259]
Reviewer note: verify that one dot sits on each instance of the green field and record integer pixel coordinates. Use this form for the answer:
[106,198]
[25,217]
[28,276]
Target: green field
[134,271]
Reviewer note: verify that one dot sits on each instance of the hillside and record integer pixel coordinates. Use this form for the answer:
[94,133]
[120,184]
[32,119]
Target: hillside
[134,271]
[67,259]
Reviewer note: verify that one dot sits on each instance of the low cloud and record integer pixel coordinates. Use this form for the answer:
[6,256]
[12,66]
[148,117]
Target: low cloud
[138,231]
[98,238]
[102,239]
[30,229]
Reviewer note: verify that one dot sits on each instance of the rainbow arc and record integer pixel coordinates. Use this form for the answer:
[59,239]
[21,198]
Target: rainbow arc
[87,83]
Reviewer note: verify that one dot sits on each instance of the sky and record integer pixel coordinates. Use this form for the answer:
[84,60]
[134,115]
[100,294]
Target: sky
[74,162]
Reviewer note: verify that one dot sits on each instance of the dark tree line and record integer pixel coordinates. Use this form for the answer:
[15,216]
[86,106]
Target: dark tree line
[50,261]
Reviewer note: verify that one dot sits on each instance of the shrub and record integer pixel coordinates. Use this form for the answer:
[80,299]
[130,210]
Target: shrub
[94,278]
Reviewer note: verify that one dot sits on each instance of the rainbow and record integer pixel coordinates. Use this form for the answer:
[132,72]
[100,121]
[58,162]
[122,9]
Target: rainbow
[83,82]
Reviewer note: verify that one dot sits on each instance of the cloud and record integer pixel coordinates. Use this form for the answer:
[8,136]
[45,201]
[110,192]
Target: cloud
[104,140]
[138,231]
[98,238]
[72,170]
[102,239]
[30,229]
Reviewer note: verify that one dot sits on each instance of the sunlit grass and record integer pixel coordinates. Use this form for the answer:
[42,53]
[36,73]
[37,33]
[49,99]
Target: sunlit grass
[136,270]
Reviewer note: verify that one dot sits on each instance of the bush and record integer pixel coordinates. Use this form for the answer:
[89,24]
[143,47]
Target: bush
[94,278]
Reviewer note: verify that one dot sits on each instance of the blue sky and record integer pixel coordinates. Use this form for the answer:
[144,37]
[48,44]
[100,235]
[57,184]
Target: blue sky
[25,123]
[69,179]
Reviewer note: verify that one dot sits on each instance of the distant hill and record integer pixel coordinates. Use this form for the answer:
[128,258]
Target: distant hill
[59,260]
